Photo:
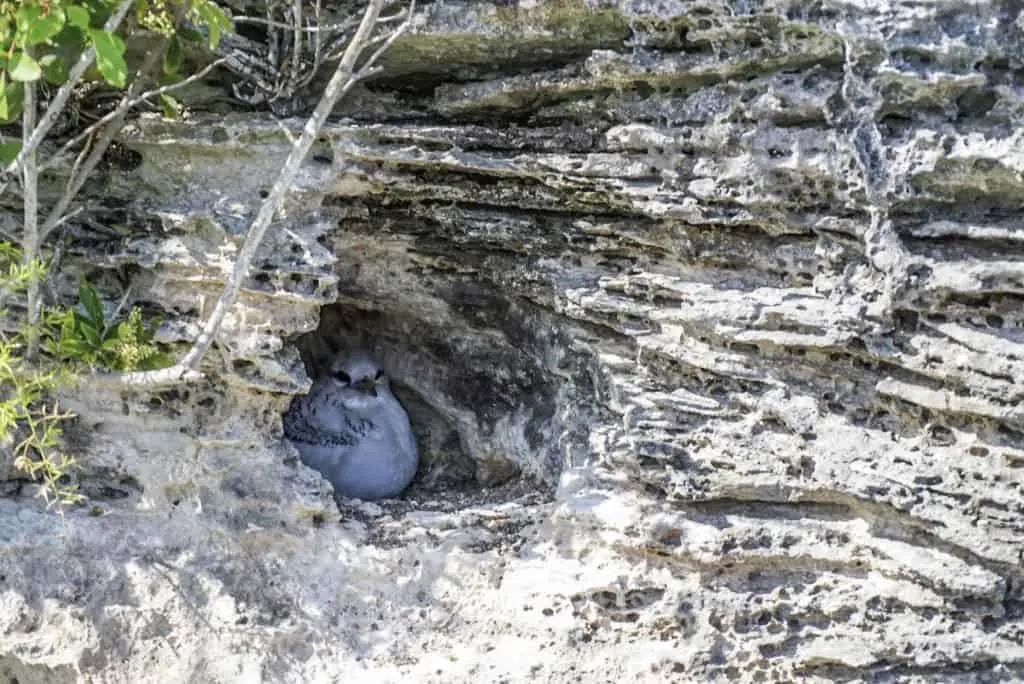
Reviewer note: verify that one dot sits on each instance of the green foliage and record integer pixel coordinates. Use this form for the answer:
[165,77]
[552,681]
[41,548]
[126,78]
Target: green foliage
[158,16]
[30,421]
[39,39]
[109,56]
[14,274]
[85,335]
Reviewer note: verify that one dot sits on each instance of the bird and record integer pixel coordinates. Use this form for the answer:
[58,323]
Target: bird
[352,429]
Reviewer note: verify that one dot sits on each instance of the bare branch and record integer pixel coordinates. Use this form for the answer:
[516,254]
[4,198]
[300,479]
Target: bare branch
[317,51]
[123,106]
[331,28]
[285,132]
[60,100]
[80,158]
[61,221]
[79,175]
[296,62]
[404,14]
[367,68]
[117,312]
[164,377]
[340,83]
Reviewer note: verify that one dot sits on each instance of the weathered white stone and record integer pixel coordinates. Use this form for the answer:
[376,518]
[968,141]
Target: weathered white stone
[708,319]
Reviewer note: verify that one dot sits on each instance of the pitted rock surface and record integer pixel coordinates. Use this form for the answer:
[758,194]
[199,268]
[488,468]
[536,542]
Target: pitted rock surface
[709,320]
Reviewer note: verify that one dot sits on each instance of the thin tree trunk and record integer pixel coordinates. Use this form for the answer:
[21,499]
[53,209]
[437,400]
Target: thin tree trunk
[30,232]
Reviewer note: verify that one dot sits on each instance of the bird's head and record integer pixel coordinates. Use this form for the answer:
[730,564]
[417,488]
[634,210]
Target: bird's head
[360,380]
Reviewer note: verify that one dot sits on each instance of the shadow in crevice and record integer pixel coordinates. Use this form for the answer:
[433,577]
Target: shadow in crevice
[480,407]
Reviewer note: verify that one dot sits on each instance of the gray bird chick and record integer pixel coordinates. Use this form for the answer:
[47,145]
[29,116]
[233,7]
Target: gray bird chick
[352,429]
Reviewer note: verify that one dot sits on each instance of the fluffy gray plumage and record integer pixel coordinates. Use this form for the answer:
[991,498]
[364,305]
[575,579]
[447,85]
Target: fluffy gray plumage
[352,429]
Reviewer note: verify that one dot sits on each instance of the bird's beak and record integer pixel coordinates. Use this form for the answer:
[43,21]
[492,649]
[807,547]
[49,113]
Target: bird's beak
[366,386]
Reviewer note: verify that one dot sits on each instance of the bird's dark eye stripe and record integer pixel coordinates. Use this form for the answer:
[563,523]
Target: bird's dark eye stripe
[380,374]
[343,376]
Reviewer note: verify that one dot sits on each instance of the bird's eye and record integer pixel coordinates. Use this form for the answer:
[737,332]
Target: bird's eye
[380,374]
[343,377]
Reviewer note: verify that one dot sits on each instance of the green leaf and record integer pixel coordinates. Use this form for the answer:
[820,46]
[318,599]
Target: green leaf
[78,16]
[215,19]
[72,347]
[90,334]
[172,57]
[191,35]
[12,99]
[109,56]
[91,303]
[157,361]
[25,18]
[170,106]
[55,70]
[149,332]
[116,334]
[45,28]
[8,151]
[23,68]
[67,328]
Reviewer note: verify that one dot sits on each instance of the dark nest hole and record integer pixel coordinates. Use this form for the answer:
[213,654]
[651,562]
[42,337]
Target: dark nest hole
[487,415]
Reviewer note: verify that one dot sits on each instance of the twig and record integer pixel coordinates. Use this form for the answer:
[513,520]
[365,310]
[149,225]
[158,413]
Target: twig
[295,61]
[78,175]
[117,312]
[342,80]
[60,100]
[397,15]
[284,131]
[281,25]
[317,50]
[80,158]
[60,222]
[152,379]
[367,68]
[164,569]
[273,38]
[110,116]
[337,85]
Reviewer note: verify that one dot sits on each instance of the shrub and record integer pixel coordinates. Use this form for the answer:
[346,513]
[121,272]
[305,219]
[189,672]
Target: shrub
[30,419]
[85,335]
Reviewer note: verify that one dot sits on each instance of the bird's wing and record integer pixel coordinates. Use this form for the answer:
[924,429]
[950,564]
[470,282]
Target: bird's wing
[315,419]
[398,419]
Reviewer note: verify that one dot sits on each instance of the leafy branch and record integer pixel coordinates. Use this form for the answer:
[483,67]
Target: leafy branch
[38,39]
[36,36]
[87,335]
[30,421]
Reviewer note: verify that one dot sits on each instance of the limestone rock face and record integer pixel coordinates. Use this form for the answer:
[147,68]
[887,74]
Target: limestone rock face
[709,320]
